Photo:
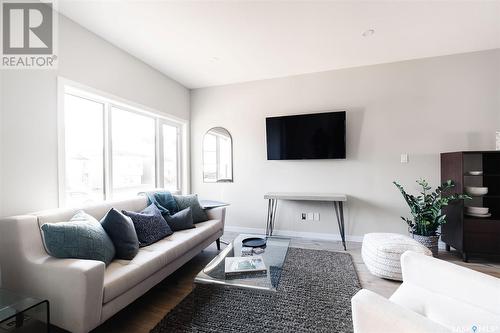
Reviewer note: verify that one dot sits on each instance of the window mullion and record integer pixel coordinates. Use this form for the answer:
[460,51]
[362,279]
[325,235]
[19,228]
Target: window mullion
[159,156]
[108,163]
[179,159]
[217,157]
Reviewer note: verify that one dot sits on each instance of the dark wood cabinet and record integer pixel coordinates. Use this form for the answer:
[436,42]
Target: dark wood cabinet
[472,236]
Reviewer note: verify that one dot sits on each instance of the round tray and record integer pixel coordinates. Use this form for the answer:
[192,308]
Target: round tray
[254,242]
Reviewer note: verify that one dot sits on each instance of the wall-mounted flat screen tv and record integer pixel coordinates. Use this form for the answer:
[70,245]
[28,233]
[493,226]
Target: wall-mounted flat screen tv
[307,136]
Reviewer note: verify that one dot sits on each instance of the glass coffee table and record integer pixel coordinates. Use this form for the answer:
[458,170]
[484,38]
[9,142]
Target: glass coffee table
[273,256]
[23,314]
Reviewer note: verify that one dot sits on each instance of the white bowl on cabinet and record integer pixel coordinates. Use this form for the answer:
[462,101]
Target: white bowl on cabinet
[476,191]
[477,210]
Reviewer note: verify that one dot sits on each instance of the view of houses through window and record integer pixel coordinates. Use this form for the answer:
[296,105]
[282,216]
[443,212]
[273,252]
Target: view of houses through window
[115,152]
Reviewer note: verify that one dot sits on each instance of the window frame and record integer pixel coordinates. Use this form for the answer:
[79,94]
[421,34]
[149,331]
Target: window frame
[218,137]
[161,169]
[109,101]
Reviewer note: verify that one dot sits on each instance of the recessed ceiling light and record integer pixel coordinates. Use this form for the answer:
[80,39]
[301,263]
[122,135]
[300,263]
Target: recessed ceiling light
[368,33]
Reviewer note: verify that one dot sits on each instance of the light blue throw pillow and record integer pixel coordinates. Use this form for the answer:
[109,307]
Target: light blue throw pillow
[82,237]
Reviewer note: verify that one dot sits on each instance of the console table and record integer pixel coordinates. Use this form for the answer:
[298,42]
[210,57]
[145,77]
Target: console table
[337,199]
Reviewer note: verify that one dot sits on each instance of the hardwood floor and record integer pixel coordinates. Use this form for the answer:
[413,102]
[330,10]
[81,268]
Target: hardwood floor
[148,310]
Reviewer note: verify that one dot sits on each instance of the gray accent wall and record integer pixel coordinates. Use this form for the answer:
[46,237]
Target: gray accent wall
[420,107]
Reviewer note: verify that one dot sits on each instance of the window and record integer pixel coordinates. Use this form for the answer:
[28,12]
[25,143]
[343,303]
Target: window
[83,126]
[133,153]
[112,150]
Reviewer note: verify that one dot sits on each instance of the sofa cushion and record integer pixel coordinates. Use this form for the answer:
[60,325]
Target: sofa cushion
[122,275]
[149,224]
[181,220]
[185,201]
[121,230]
[82,237]
[182,241]
[447,311]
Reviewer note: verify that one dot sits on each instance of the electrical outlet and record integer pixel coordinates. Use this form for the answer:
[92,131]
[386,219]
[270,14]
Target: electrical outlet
[316,217]
[310,216]
[404,158]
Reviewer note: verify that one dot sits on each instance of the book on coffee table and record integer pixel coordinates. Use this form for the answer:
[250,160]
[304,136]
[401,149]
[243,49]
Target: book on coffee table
[243,265]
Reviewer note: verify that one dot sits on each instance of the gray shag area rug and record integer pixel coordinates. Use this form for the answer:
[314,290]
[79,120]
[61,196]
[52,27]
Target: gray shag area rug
[314,295]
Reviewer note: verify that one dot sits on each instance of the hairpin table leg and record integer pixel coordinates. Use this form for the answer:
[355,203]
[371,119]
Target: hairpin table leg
[339,211]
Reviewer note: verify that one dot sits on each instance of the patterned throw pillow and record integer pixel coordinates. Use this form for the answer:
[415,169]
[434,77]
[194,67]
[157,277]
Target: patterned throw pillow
[149,225]
[121,230]
[185,201]
[181,220]
[82,237]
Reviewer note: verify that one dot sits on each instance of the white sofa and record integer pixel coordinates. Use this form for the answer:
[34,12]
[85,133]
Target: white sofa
[84,293]
[435,296]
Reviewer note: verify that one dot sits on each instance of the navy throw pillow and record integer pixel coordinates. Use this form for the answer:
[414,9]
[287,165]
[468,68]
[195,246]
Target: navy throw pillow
[181,220]
[149,225]
[121,230]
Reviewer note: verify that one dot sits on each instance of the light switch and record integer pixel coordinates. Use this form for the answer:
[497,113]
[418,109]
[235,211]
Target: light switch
[404,158]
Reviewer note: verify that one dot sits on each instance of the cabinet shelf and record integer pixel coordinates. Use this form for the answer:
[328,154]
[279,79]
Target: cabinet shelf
[486,219]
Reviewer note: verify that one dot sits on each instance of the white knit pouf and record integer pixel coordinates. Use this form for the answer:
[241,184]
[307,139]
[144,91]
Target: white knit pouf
[381,253]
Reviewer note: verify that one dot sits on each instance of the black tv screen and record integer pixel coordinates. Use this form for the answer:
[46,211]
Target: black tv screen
[306,136]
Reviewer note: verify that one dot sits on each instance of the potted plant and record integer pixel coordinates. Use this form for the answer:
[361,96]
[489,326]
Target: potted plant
[426,211]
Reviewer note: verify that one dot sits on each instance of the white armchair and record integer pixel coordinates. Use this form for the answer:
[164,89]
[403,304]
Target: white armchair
[436,296]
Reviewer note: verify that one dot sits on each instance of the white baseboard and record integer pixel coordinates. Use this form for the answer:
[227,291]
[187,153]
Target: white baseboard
[294,234]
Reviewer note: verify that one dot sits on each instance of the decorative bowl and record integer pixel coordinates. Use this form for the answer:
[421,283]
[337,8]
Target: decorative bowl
[476,191]
[475,173]
[477,210]
[478,215]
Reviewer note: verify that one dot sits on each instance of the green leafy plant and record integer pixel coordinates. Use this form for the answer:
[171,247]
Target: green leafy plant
[426,207]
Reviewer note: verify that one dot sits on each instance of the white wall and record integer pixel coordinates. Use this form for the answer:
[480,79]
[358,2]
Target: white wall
[28,176]
[421,107]
[1,130]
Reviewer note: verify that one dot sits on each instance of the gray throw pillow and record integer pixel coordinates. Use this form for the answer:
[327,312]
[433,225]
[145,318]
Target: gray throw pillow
[82,237]
[181,220]
[149,225]
[185,201]
[121,230]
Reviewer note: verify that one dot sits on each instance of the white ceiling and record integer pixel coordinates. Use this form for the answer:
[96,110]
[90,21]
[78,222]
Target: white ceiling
[211,43]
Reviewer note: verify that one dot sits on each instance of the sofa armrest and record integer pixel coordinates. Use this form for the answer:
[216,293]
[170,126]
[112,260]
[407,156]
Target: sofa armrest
[372,313]
[73,287]
[449,279]
[218,213]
